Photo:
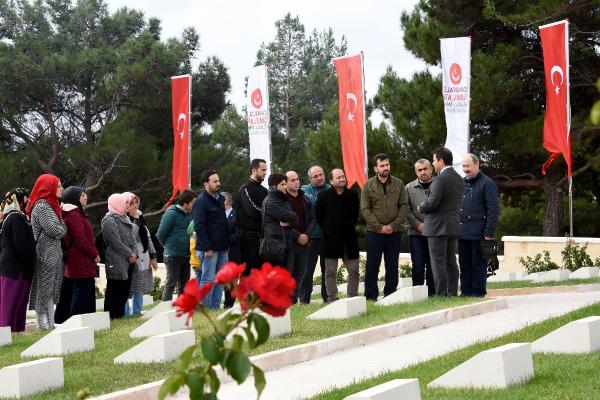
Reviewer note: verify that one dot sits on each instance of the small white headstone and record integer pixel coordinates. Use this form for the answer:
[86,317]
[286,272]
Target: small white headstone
[402,283]
[278,326]
[581,336]
[585,273]
[341,309]
[157,309]
[235,309]
[60,342]
[21,380]
[521,275]
[397,389]
[164,322]
[504,277]
[557,275]
[5,336]
[495,368]
[148,300]
[159,348]
[100,321]
[405,295]
[99,304]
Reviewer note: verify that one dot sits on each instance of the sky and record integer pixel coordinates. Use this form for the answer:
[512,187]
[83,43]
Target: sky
[234,30]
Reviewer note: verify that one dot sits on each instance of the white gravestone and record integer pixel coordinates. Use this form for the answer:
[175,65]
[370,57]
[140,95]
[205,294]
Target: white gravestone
[164,322]
[397,389]
[342,309]
[278,326]
[235,309]
[5,336]
[402,282]
[585,273]
[60,342]
[581,336]
[21,380]
[99,321]
[157,309]
[557,275]
[503,277]
[496,368]
[148,300]
[405,295]
[159,348]
[99,304]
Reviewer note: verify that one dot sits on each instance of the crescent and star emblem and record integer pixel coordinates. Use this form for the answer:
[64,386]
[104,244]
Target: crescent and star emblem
[181,125]
[351,97]
[558,70]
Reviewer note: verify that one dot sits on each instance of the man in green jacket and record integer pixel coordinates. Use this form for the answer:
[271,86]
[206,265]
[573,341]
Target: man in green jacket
[172,234]
[383,205]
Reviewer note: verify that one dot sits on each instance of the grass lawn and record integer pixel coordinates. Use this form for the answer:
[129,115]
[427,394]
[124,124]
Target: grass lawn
[522,284]
[97,371]
[556,376]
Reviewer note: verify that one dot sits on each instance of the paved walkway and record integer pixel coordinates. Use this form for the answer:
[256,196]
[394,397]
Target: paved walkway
[341,369]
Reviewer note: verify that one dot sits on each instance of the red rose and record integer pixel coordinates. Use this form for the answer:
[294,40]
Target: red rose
[192,295]
[274,287]
[229,273]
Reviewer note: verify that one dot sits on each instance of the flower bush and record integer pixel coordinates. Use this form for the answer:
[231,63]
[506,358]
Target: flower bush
[268,289]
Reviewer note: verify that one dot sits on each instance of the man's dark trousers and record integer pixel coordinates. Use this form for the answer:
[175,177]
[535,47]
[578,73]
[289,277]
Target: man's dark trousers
[315,247]
[442,251]
[379,244]
[296,265]
[473,269]
[249,246]
[421,263]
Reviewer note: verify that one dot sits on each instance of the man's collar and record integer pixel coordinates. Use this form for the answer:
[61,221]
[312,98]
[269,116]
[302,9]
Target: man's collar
[445,168]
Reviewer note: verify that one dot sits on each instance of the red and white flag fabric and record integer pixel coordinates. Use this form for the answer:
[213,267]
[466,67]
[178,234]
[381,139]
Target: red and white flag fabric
[259,117]
[352,117]
[557,120]
[181,103]
[456,89]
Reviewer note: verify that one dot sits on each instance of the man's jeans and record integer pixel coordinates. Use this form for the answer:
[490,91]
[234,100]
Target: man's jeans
[296,265]
[421,263]
[178,273]
[210,267]
[379,244]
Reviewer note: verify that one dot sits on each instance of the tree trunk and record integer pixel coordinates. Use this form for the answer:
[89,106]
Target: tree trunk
[554,211]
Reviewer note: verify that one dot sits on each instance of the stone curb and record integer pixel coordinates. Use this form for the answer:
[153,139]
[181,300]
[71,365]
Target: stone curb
[309,351]
[590,287]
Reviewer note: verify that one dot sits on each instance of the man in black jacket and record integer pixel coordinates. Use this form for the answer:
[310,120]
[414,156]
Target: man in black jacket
[337,214]
[442,224]
[248,206]
[303,208]
[478,220]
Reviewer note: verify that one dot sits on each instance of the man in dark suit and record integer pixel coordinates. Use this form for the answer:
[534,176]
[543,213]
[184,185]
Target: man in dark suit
[442,225]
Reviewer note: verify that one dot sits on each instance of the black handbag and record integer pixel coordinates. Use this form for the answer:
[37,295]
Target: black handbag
[273,249]
[489,252]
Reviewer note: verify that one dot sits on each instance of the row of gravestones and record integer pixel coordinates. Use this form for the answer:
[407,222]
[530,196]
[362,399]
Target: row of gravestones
[500,367]
[547,276]
[166,338]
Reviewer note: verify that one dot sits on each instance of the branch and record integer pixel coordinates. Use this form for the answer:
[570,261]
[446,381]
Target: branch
[105,173]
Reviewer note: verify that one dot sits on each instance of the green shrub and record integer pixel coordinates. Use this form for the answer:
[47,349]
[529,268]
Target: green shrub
[340,277]
[99,294]
[575,257]
[597,262]
[405,270]
[538,263]
[157,290]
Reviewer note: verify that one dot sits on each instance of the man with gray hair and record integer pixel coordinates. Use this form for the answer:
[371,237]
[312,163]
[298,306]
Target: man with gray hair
[416,192]
[478,220]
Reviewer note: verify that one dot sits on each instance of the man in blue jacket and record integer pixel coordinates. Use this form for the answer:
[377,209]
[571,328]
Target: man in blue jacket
[212,235]
[478,221]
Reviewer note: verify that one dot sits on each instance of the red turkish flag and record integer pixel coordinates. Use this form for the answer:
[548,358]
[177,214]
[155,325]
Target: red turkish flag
[180,93]
[352,118]
[557,121]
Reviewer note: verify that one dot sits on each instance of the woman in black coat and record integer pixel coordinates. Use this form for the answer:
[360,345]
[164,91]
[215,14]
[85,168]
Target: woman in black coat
[17,260]
[278,218]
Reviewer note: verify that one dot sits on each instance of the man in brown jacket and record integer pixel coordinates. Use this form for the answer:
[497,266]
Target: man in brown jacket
[383,205]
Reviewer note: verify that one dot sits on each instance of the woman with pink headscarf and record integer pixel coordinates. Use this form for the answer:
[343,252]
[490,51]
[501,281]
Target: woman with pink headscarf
[120,255]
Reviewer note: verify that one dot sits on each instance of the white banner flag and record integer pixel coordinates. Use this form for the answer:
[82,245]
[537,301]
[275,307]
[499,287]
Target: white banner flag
[259,120]
[456,88]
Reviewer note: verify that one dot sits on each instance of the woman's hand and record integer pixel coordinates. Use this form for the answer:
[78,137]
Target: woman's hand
[154,264]
[133,258]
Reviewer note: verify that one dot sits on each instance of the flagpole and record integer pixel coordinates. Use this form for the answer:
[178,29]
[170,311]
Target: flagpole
[569,127]
[362,65]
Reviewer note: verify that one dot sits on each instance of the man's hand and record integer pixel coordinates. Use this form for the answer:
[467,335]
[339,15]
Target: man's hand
[488,238]
[208,253]
[302,239]
[284,223]
[154,264]
[97,259]
[386,230]
[420,227]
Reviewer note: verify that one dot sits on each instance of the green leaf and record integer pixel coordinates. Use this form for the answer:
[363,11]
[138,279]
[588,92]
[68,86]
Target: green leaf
[238,366]
[195,382]
[595,113]
[211,350]
[184,360]
[213,381]
[171,385]
[237,342]
[228,321]
[262,329]
[250,337]
[259,380]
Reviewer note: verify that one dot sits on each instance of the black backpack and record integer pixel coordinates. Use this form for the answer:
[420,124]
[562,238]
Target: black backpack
[101,246]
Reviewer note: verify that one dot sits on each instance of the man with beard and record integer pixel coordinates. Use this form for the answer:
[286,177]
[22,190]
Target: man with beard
[383,205]
[248,206]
